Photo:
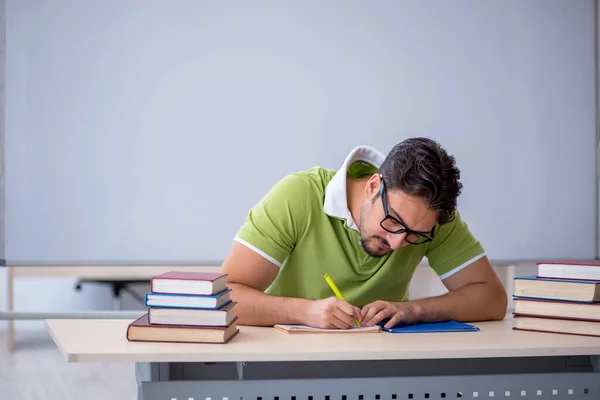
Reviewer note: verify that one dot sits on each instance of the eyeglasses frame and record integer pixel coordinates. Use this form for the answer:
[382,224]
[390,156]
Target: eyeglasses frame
[428,236]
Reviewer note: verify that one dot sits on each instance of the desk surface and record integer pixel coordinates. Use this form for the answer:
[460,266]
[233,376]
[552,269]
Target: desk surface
[104,341]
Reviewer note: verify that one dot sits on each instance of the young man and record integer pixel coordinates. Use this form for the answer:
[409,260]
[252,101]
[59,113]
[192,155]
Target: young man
[368,226]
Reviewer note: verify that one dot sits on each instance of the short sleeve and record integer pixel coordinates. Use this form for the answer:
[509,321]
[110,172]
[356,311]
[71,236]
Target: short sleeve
[275,224]
[453,248]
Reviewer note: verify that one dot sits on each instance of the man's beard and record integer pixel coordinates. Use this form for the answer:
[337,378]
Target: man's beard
[371,252]
[375,253]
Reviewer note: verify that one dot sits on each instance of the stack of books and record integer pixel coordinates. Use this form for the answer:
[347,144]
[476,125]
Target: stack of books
[564,297]
[188,307]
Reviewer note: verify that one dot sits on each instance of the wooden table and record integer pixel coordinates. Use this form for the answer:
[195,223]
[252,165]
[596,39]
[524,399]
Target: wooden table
[264,362]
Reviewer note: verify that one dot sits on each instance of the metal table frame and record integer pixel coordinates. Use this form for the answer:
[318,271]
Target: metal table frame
[549,377]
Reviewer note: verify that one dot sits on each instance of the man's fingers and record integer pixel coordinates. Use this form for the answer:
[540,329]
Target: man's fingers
[346,307]
[372,311]
[349,309]
[364,311]
[340,324]
[345,318]
[381,315]
[371,314]
[395,320]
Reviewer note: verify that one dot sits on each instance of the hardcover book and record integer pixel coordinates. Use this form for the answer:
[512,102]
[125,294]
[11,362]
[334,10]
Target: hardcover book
[141,330]
[188,282]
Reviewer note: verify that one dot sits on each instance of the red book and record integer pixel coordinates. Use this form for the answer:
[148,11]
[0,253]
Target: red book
[187,282]
[570,269]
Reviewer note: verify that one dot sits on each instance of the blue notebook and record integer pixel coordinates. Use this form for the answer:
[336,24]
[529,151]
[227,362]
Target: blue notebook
[431,327]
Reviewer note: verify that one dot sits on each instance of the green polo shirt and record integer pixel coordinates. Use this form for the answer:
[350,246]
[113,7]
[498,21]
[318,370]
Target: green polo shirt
[290,228]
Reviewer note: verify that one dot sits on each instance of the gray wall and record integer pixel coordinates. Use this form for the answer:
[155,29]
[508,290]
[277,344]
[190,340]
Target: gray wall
[142,131]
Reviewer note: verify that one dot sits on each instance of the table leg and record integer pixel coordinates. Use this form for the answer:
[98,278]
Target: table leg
[595,360]
[10,306]
[150,372]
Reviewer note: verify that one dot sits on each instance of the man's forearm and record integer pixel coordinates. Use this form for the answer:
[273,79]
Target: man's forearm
[260,309]
[471,303]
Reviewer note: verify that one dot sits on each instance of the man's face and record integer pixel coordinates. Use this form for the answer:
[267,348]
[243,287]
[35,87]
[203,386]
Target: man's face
[403,211]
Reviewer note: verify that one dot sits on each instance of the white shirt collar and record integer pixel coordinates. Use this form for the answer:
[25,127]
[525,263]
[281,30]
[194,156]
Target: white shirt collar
[336,204]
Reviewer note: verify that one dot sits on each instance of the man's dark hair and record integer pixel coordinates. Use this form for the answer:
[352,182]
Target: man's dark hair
[421,167]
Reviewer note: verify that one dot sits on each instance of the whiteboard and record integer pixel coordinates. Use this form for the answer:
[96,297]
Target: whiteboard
[144,131]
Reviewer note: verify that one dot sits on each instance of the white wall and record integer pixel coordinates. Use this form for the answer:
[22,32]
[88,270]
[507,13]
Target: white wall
[425,282]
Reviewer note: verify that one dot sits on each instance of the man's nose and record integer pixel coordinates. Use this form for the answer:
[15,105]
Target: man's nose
[396,240]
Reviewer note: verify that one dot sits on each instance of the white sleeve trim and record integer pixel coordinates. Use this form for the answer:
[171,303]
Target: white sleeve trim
[455,270]
[259,251]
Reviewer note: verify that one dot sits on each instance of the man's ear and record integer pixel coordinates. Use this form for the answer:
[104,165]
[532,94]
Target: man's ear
[373,185]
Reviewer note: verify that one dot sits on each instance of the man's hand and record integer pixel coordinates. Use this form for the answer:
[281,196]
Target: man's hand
[331,313]
[380,310]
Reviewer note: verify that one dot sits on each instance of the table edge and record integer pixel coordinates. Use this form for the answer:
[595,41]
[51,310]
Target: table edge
[171,358]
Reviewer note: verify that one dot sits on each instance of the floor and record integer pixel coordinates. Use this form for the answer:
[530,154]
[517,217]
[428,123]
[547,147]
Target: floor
[37,371]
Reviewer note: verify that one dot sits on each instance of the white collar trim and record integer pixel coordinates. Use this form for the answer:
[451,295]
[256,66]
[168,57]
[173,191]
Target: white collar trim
[336,204]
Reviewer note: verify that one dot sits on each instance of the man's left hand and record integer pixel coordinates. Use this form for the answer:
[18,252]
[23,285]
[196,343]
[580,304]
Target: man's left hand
[380,310]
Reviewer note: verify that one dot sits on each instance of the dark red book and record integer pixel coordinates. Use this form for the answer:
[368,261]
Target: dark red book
[141,330]
[188,282]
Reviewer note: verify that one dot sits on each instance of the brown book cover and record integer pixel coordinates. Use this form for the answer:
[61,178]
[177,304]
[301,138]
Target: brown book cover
[141,330]
[189,282]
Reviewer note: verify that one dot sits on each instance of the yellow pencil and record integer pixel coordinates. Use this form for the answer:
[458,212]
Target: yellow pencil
[337,292]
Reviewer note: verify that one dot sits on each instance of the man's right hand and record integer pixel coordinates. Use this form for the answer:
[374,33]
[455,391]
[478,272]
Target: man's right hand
[331,313]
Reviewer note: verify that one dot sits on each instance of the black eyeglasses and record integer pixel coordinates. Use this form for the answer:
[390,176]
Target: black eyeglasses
[393,225]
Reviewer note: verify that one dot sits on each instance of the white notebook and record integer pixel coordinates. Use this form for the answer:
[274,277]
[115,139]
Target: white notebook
[310,329]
